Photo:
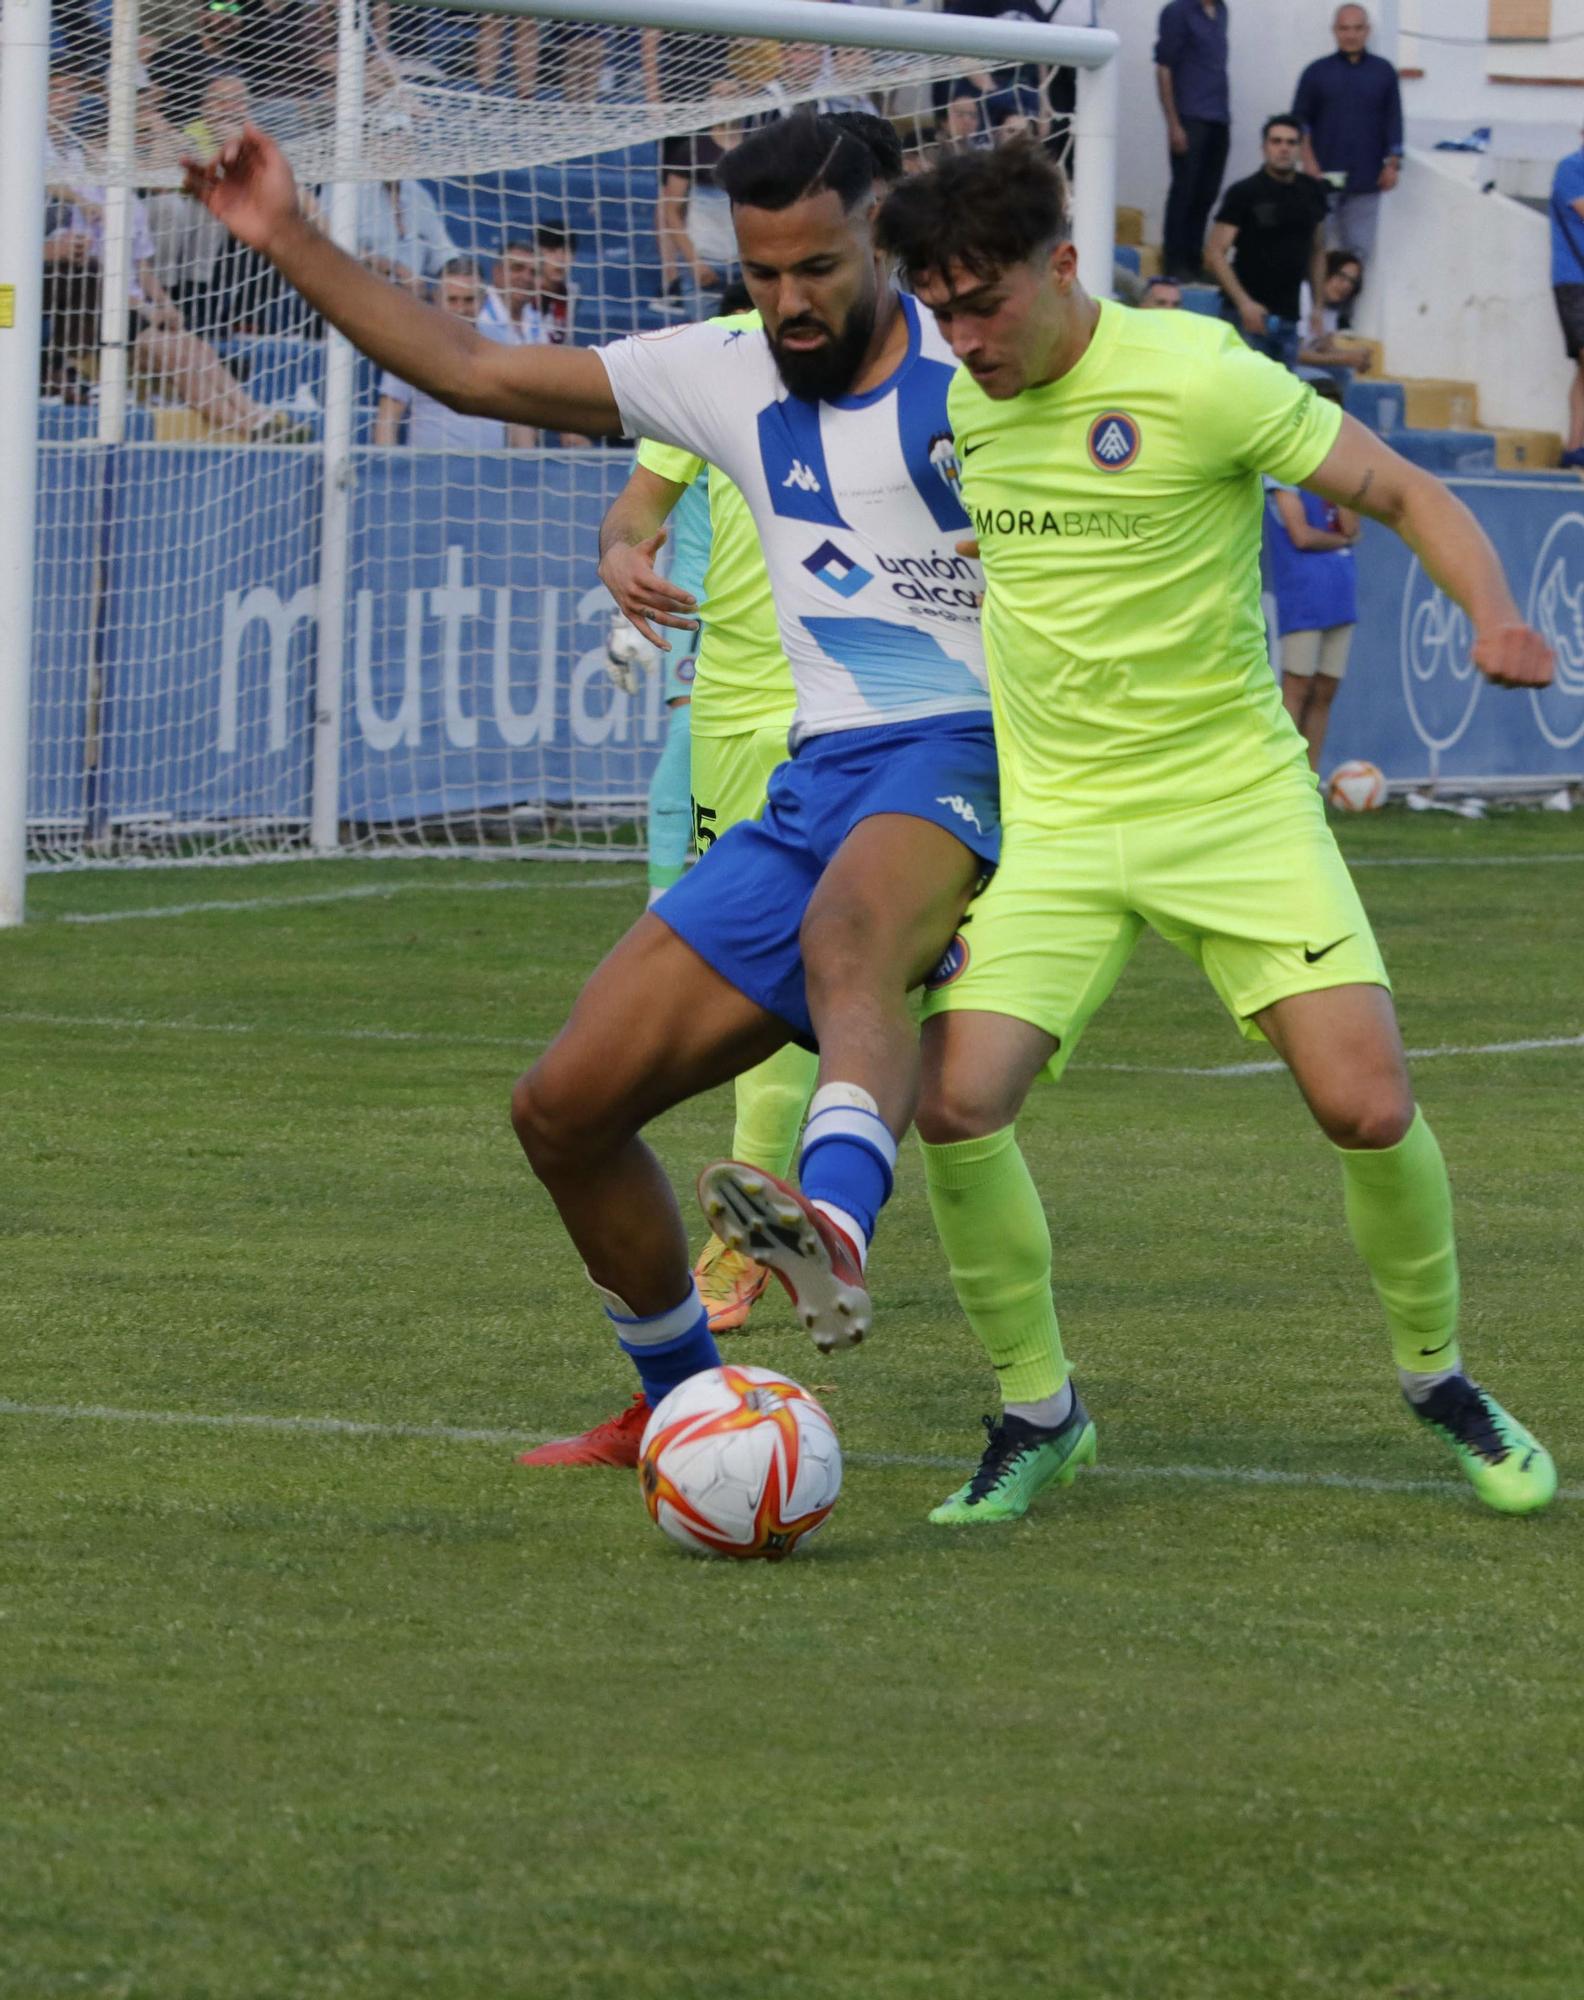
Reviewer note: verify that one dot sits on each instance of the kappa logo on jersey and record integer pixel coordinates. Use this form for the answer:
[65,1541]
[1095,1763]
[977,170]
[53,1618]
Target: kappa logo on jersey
[953,964]
[961,808]
[1113,441]
[943,456]
[803,478]
[837,570]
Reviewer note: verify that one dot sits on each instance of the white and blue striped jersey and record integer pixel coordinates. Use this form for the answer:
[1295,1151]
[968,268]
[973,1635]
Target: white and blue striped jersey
[857,505]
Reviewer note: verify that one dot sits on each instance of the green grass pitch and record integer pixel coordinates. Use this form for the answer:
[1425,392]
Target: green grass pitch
[1265,1708]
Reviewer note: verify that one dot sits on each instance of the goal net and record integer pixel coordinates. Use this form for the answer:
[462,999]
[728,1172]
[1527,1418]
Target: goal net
[284,603]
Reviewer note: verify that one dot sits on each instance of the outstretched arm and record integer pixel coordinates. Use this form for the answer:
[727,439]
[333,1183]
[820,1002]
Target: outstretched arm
[1362,473]
[250,188]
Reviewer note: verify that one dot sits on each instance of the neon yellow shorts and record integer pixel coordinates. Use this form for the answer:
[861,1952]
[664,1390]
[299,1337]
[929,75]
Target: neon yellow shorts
[1254,889]
[730,774]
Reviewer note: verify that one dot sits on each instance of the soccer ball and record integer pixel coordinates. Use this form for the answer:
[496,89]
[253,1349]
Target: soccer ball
[1357,787]
[739,1462]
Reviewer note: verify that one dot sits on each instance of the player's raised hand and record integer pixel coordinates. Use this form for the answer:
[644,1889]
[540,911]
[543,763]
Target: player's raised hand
[642,594]
[1514,656]
[248,186]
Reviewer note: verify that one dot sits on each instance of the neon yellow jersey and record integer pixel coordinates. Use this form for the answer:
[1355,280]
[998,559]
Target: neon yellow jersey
[1119,514]
[743,680]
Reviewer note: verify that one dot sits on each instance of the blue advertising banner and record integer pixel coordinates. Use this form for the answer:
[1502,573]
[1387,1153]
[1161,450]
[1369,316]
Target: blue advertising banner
[176,640]
[174,672]
[1413,702]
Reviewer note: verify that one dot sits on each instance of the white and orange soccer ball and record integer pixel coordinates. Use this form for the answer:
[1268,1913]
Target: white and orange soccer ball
[740,1462]
[1357,786]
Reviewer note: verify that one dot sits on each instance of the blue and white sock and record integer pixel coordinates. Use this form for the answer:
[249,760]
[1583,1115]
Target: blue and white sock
[848,1160]
[666,1348]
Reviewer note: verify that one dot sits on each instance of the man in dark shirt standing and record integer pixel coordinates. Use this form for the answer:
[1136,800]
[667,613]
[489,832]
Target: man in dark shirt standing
[1350,109]
[1269,237]
[1191,77]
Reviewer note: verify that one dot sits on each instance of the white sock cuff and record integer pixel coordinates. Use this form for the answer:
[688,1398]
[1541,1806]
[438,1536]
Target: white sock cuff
[658,1327]
[1419,1388]
[836,1121]
[851,1096]
[850,1227]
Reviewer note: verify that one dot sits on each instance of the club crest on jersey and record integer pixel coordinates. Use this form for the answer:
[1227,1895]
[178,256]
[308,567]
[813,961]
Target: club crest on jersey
[1113,441]
[943,456]
[953,964]
[837,570]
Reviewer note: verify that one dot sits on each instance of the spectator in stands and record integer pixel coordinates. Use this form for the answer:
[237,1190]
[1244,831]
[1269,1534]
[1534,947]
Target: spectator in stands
[1330,346]
[1269,235]
[179,66]
[1311,545]
[554,301]
[1567,287]
[561,60]
[285,50]
[169,357]
[1351,112]
[1191,79]
[963,129]
[514,288]
[431,426]
[698,245]
[401,233]
[1161,294]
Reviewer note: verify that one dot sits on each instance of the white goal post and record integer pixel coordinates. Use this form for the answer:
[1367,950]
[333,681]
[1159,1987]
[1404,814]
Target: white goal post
[236,618]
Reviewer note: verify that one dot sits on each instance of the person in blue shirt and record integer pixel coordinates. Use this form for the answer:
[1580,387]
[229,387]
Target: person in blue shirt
[1309,544]
[1191,78]
[1567,287]
[1350,108]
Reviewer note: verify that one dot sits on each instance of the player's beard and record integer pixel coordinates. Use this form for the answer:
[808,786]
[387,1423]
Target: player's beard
[817,373]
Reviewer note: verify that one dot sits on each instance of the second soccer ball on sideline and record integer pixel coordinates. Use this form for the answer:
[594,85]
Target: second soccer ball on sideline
[740,1462]
[1357,786]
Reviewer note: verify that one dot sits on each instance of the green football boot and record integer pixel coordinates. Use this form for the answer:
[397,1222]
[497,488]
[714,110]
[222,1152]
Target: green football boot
[1020,1460]
[1507,1468]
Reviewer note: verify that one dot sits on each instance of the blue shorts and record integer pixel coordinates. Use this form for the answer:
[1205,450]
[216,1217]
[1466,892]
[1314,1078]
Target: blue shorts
[741,907]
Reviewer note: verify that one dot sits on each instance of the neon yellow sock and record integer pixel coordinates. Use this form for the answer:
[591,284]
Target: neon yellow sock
[1399,1213]
[992,1225]
[771,1101]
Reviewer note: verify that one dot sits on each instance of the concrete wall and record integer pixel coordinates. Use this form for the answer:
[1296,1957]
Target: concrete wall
[1446,39]
[1464,291]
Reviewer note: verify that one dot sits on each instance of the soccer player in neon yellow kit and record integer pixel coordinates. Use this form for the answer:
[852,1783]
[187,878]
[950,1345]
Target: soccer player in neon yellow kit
[1111,466]
[741,711]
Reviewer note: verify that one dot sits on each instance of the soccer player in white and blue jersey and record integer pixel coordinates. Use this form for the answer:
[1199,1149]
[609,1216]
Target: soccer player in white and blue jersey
[813,922]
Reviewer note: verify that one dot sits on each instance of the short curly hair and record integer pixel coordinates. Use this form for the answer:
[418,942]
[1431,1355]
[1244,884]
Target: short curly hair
[981,210]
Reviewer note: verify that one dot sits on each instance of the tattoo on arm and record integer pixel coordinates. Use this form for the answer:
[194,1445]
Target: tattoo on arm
[1356,500]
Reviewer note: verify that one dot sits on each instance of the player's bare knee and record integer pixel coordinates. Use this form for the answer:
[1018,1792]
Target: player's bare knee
[557,1122]
[1371,1121]
[955,1107]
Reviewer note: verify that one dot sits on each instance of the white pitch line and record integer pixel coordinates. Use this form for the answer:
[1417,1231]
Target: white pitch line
[1456,860]
[364,892]
[135,1025]
[375,890]
[1413,1055]
[446,1038]
[237,1420]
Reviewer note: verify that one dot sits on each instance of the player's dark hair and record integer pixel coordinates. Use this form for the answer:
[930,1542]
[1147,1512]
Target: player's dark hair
[1280,118]
[984,211]
[879,135]
[794,158]
[735,298]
